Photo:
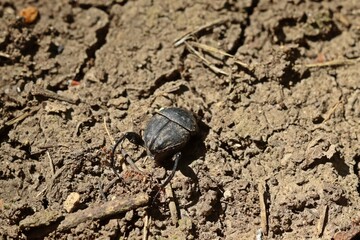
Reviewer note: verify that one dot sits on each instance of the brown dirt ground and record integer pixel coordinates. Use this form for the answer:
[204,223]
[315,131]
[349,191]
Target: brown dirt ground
[278,155]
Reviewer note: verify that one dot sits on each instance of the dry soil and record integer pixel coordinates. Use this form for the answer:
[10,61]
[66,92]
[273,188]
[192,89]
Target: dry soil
[275,86]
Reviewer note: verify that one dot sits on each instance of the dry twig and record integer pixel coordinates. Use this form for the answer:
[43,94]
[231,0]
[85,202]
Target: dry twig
[205,61]
[43,222]
[322,221]
[52,180]
[108,132]
[218,51]
[263,207]
[5,55]
[22,116]
[38,91]
[104,210]
[51,163]
[172,205]
[146,227]
[338,62]
[188,35]
[332,110]
[193,34]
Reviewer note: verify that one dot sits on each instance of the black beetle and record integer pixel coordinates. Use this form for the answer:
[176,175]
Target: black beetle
[165,135]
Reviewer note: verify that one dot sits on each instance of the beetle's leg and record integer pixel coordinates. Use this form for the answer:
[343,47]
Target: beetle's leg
[133,138]
[130,161]
[176,159]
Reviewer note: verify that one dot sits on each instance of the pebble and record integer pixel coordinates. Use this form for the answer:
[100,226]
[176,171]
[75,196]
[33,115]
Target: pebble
[71,201]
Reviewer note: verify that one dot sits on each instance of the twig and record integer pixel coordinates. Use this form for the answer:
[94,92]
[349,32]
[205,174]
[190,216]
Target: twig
[337,62]
[172,205]
[322,221]
[40,219]
[52,180]
[38,91]
[51,163]
[263,207]
[101,190]
[188,35]
[22,116]
[56,175]
[107,131]
[205,61]
[146,227]
[110,184]
[218,51]
[332,110]
[41,192]
[103,211]
[53,146]
[5,55]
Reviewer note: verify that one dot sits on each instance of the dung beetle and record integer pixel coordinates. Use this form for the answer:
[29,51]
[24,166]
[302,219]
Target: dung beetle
[165,135]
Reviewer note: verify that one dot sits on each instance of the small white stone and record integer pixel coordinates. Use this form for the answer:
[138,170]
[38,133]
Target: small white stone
[227,194]
[71,201]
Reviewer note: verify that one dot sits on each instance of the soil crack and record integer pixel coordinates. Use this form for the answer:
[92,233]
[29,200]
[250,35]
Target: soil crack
[240,41]
[101,34]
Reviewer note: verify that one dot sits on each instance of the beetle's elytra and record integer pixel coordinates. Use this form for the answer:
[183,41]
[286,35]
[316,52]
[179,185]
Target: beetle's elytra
[168,131]
[165,135]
